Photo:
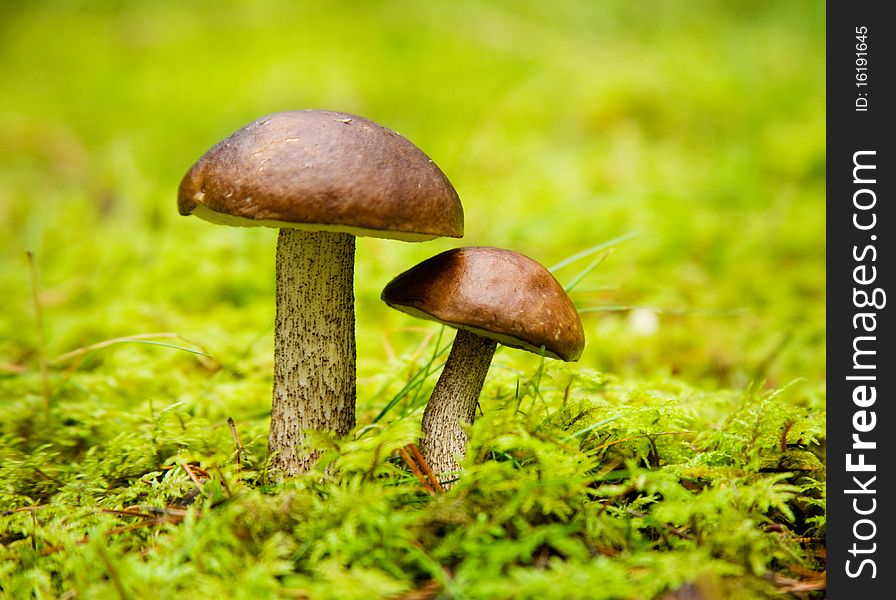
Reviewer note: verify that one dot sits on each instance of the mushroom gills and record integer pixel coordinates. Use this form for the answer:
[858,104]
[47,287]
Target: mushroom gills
[219,218]
[504,339]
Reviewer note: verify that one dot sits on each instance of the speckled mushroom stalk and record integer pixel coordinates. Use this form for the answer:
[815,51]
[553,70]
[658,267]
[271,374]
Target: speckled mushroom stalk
[314,344]
[491,296]
[322,178]
[452,404]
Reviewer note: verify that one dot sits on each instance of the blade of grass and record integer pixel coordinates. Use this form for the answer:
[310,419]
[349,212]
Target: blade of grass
[174,346]
[533,387]
[141,338]
[591,427]
[584,272]
[593,250]
[435,350]
[41,338]
[677,312]
[423,370]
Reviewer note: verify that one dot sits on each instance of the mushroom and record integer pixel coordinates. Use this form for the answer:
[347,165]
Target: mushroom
[322,178]
[489,295]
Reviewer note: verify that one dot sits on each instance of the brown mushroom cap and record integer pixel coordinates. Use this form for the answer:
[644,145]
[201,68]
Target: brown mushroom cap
[494,293]
[322,171]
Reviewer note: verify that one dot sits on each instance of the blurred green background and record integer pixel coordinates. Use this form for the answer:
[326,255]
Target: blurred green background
[696,127]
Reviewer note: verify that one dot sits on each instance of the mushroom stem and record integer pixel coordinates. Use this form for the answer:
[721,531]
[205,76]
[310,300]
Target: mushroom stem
[453,402]
[314,345]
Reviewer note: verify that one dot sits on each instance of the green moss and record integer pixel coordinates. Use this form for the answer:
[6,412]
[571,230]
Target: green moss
[630,491]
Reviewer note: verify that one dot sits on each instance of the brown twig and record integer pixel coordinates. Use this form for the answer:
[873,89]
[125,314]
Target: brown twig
[787,427]
[13,368]
[34,530]
[30,509]
[371,472]
[416,471]
[240,450]
[128,513]
[191,474]
[427,591]
[664,526]
[793,586]
[169,516]
[436,485]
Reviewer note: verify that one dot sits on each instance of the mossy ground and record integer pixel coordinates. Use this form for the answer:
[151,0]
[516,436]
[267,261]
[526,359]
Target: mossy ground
[684,454]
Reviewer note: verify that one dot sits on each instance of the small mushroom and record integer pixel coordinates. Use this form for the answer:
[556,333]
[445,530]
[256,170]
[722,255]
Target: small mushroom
[489,295]
[322,178]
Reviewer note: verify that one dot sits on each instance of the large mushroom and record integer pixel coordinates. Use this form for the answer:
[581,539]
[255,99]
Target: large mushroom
[322,178]
[489,295]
